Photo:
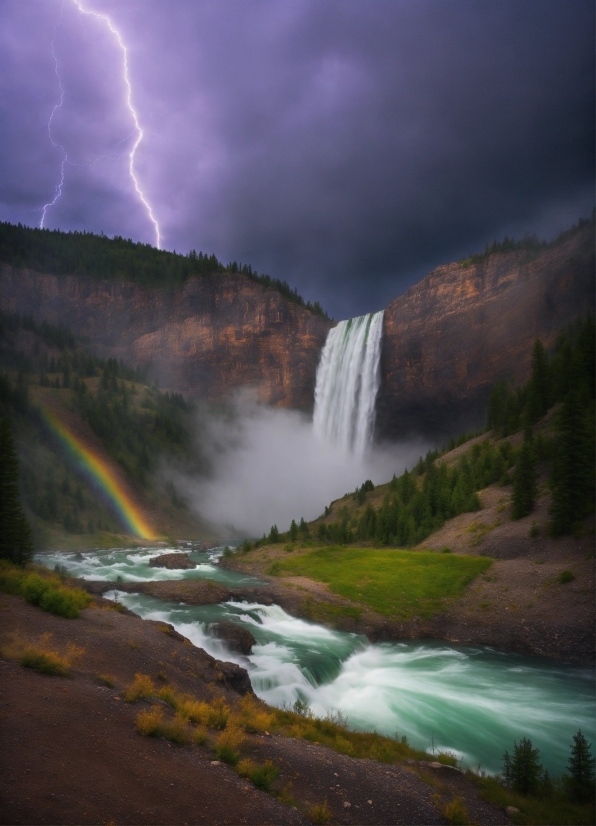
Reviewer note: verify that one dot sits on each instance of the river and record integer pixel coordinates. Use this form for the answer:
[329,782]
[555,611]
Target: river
[471,701]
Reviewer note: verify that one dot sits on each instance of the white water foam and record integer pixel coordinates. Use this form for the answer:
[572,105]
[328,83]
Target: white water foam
[348,379]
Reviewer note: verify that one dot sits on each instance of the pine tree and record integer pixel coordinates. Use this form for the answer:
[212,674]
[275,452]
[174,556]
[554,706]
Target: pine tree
[581,769]
[572,480]
[526,771]
[524,480]
[15,534]
[293,531]
[274,534]
[507,770]
[539,385]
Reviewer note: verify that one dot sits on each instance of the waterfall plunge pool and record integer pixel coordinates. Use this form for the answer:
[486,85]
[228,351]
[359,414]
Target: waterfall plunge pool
[472,701]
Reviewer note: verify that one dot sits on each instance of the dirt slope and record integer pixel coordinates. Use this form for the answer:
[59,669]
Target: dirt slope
[71,753]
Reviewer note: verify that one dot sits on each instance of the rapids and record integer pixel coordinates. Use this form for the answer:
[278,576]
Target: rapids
[471,701]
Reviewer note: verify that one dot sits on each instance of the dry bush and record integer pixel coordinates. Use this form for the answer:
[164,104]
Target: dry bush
[253,716]
[148,722]
[228,744]
[141,687]
[151,723]
[320,813]
[199,736]
[456,813]
[39,656]
[263,775]
[105,679]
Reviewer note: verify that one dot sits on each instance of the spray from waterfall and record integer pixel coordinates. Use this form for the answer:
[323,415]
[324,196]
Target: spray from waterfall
[348,379]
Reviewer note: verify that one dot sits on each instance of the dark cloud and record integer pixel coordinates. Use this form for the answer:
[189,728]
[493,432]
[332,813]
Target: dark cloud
[345,146]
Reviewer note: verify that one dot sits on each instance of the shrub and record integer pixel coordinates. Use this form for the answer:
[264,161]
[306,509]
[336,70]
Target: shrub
[228,743]
[141,687]
[455,812]
[105,679]
[263,776]
[46,591]
[320,813]
[199,736]
[148,722]
[40,657]
[45,662]
[566,576]
[252,718]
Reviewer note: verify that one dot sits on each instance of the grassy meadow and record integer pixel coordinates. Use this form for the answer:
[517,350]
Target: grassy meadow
[393,582]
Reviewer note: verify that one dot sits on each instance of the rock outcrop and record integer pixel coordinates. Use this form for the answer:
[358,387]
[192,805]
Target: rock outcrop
[173,562]
[462,328]
[206,338]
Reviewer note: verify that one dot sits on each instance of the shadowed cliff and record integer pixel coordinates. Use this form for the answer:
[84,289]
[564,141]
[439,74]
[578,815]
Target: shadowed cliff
[469,324]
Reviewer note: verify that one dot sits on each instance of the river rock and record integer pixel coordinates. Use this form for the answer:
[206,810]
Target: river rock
[173,562]
[238,638]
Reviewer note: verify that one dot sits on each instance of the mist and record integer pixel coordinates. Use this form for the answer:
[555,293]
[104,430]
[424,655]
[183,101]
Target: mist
[268,467]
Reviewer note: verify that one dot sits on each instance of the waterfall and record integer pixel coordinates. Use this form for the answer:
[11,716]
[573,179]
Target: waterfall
[348,380]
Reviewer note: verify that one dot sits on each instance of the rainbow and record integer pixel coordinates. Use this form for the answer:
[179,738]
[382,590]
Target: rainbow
[101,476]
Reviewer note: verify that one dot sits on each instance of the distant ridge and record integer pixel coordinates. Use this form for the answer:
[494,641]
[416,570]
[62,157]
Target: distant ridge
[98,256]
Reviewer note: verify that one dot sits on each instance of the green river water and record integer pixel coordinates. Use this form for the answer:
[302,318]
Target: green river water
[472,701]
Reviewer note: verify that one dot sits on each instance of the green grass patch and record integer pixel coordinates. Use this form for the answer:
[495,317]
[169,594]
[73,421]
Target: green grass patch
[393,582]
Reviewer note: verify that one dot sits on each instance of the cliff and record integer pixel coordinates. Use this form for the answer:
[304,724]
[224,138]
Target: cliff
[459,330]
[207,337]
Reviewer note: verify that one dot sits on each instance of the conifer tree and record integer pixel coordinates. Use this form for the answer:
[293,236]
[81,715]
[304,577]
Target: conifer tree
[15,534]
[274,534]
[581,769]
[524,480]
[293,531]
[572,482]
[526,771]
[539,385]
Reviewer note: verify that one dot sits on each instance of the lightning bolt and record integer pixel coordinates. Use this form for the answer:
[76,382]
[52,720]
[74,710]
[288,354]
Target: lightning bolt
[58,189]
[104,18]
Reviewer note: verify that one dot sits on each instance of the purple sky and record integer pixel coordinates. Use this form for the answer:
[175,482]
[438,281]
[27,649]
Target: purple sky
[347,146]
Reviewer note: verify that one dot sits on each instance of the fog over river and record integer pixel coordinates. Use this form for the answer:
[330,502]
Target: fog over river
[472,701]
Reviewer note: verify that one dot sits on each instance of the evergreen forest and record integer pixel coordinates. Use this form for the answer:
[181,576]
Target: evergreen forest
[117,258]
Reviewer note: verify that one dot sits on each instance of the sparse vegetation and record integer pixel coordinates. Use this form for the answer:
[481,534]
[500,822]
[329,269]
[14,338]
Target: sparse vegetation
[40,656]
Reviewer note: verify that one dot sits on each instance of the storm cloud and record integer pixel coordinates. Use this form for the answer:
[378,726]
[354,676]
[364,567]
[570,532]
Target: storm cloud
[345,146]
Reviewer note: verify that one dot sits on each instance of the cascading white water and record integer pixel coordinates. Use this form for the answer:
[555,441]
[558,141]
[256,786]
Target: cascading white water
[348,379]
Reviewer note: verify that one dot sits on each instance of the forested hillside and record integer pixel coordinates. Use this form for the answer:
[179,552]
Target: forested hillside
[135,424]
[83,253]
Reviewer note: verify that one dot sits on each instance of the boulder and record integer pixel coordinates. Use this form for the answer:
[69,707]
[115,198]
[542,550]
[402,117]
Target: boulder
[173,562]
[238,638]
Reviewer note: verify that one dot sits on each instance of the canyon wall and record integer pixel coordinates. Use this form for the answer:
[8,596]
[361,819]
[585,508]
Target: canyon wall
[206,338]
[451,336]
[445,342]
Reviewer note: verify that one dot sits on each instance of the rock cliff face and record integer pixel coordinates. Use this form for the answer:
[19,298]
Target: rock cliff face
[206,338]
[445,342]
[450,337]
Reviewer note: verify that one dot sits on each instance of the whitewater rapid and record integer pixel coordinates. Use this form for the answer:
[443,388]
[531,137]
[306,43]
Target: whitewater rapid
[472,701]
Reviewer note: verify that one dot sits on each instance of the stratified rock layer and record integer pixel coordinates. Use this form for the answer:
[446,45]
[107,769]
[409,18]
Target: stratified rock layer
[450,337]
[206,338]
